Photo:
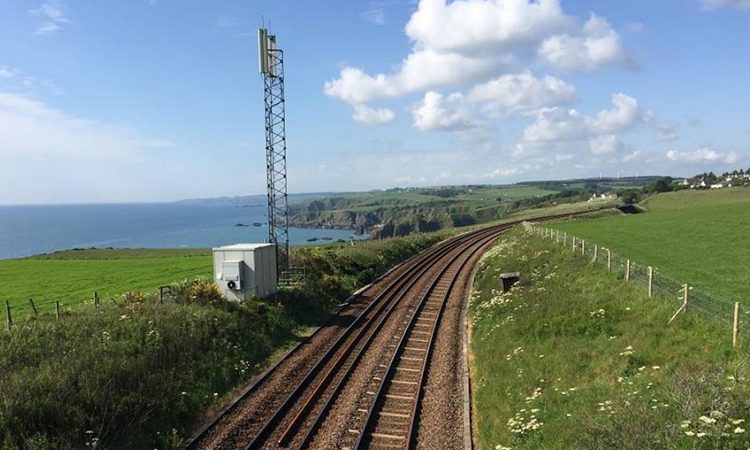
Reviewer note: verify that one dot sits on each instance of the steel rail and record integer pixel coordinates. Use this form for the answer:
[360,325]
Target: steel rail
[413,261]
[317,421]
[400,348]
[393,293]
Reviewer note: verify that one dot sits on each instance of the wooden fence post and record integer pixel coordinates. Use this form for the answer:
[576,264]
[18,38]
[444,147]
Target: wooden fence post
[565,238]
[583,247]
[736,323]
[33,307]
[9,318]
[57,309]
[627,271]
[574,243]
[650,282]
[685,298]
[596,251]
[96,301]
[609,260]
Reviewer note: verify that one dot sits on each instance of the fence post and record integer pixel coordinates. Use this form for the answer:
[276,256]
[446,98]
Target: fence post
[650,282]
[627,271]
[609,260]
[684,305]
[565,238]
[574,243]
[596,251]
[736,323]
[33,307]
[57,309]
[583,247]
[9,318]
[96,301]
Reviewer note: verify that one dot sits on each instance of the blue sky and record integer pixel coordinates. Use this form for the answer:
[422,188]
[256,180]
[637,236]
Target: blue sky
[151,100]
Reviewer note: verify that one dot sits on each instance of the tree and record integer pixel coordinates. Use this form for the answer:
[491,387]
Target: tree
[630,196]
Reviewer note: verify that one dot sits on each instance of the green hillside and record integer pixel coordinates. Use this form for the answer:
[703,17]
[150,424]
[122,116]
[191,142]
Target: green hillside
[694,236]
[72,276]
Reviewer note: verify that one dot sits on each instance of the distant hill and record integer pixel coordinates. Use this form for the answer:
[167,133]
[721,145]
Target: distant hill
[259,199]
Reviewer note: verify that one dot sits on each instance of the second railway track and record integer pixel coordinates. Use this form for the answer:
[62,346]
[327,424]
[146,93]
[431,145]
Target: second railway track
[359,381]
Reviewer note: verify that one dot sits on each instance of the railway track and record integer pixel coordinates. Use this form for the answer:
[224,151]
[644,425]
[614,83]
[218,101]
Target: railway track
[359,380]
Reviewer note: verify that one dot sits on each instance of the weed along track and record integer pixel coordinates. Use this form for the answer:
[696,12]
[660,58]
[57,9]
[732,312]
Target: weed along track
[385,372]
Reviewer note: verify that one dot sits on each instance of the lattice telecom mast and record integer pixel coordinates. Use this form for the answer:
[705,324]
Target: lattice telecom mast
[272,68]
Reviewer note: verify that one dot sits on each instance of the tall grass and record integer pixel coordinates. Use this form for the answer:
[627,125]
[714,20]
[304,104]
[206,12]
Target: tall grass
[574,358]
[135,376]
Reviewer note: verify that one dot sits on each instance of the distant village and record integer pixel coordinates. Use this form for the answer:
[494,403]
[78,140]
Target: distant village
[706,180]
[711,181]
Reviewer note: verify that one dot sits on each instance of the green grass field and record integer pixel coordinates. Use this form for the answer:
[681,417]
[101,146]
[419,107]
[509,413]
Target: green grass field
[72,276]
[573,358]
[698,237]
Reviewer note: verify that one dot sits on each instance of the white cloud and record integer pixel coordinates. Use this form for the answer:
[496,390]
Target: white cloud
[53,17]
[49,155]
[605,145]
[6,72]
[704,154]
[372,116]
[421,70]
[559,124]
[666,132]
[556,124]
[520,93]
[623,116]
[484,26]
[32,130]
[596,46]
[471,41]
[438,112]
[375,16]
[556,128]
[745,4]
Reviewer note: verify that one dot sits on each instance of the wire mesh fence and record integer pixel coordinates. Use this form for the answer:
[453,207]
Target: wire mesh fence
[656,282]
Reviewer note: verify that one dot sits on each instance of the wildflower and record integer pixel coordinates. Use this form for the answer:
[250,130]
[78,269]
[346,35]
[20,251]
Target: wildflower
[737,421]
[701,434]
[690,433]
[739,430]
[656,367]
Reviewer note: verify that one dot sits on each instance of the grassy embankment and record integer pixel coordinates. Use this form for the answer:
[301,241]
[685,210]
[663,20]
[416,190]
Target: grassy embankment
[140,375]
[574,358]
[694,236]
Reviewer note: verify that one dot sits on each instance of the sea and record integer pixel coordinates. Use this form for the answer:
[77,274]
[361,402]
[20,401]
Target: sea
[27,230]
